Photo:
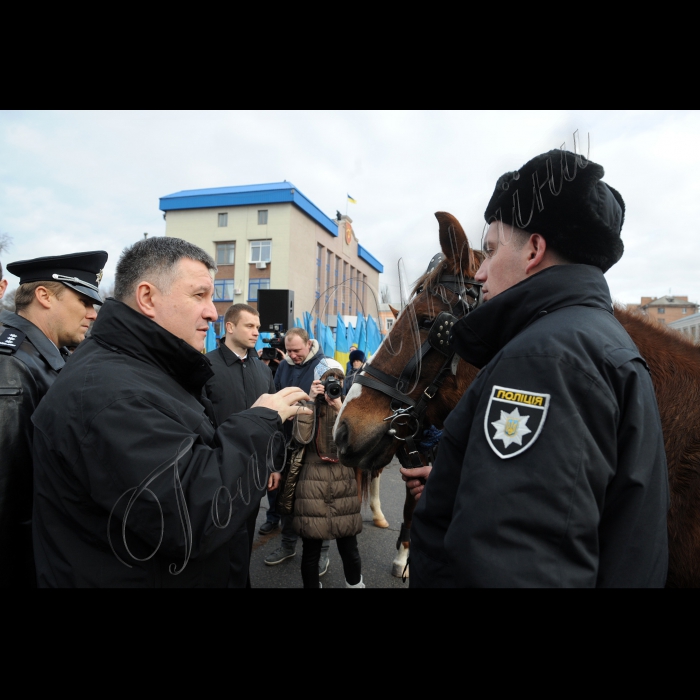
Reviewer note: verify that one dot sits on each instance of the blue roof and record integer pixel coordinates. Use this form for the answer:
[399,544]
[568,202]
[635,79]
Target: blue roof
[267,193]
[369,258]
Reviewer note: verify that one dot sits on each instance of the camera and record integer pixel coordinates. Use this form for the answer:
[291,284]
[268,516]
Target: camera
[275,343]
[333,387]
[269,354]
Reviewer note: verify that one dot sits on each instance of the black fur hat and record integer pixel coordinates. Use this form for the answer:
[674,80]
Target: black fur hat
[562,197]
[357,355]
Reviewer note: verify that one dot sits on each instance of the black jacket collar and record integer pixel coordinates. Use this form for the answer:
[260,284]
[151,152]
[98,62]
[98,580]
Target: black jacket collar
[482,333]
[126,331]
[229,356]
[36,337]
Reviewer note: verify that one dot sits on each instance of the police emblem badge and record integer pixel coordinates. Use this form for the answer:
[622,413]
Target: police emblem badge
[514,419]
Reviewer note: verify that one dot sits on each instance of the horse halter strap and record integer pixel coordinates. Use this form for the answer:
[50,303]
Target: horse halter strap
[439,339]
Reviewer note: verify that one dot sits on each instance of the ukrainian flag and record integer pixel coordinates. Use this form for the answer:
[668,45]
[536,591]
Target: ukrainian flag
[350,199]
[342,349]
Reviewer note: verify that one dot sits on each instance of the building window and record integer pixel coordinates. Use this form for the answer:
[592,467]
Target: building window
[662,310]
[389,323]
[223,220]
[225,253]
[219,326]
[223,290]
[260,251]
[262,217]
[685,310]
[255,284]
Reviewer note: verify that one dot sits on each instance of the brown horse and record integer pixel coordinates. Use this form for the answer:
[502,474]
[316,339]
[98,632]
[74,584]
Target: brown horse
[363,433]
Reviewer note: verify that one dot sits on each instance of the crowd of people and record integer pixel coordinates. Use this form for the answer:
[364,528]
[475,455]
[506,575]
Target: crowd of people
[133,459]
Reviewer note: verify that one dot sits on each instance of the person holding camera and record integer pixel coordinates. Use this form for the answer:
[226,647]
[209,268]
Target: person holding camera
[323,493]
[240,379]
[300,362]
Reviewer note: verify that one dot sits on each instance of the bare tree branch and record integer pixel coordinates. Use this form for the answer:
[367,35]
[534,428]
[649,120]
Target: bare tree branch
[5,242]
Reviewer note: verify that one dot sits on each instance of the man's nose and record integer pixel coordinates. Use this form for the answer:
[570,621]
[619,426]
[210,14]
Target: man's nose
[210,312]
[481,274]
[91,313]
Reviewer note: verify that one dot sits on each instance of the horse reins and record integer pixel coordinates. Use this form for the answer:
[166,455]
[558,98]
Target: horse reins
[439,339]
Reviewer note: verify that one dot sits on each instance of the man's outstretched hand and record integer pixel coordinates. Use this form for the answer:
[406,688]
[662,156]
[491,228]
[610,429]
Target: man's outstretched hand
[284,402]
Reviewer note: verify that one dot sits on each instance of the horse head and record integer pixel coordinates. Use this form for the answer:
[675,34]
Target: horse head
[414,379]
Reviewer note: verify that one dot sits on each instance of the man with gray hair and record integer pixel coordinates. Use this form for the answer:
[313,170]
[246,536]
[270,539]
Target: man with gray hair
[135,485]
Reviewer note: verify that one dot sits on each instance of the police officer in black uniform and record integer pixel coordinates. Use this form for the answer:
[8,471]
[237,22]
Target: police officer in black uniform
[54,308]
[551,470]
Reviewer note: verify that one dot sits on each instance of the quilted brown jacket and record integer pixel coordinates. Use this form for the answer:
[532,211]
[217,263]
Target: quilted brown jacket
[326,504]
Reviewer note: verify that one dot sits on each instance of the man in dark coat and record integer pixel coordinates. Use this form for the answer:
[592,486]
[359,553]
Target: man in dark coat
[356,360]
[240,378]
[54,306]
[551,470]
[133,484]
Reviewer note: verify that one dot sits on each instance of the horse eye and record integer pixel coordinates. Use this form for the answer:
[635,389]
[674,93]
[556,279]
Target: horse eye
[426,322]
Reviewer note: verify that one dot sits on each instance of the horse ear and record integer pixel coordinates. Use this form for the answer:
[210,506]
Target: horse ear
[453,240]
[394,311]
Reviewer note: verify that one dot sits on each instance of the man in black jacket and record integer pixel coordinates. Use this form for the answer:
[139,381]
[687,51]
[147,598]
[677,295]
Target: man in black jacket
[133,484]
[54,306]
[551,470]
[240,378]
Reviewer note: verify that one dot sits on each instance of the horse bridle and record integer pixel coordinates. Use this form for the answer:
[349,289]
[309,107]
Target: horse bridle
[408,412]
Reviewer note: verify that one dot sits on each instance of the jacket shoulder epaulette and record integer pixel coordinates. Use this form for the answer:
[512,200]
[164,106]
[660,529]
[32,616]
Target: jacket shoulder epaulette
[10,340]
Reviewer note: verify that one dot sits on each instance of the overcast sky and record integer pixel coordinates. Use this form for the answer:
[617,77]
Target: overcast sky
[73,181]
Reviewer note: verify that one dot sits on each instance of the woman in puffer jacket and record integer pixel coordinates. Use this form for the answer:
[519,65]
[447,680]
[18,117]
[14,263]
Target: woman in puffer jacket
[326,501]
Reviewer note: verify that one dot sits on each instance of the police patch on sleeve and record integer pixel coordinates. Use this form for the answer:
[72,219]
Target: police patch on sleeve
[514,420]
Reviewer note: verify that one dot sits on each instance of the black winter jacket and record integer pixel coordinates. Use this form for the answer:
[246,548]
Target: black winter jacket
[25,376]
[551,470]
[236,385]
[123,433]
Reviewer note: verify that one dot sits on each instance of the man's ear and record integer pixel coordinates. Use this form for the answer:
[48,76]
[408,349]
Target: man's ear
[535,248]
[44,297]
[145,294]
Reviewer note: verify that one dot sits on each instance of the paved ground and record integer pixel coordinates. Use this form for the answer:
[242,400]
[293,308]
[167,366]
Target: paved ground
[377,546]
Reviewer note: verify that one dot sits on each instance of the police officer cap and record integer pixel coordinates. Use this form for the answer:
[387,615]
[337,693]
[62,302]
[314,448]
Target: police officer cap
[79,271]
[561,196]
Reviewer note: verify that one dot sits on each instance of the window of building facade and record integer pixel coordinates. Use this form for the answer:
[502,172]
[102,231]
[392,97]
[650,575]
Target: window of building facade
[262,217]
[260,251]
[223,220]
[662,311]
[219,326]
[685,310]
[225,253]
[254,285]
[223,290]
